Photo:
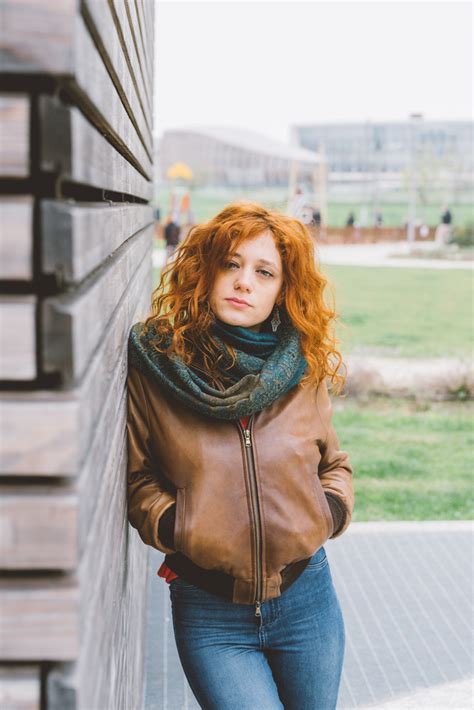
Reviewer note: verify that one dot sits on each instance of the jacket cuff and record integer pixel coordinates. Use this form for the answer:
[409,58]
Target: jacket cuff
[338,512]
[166,527]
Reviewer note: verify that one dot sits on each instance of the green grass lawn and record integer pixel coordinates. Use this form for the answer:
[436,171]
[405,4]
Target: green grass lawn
[411,462]
[403,312]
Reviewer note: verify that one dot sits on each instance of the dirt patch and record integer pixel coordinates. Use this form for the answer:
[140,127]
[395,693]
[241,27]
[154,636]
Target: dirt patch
[435,378]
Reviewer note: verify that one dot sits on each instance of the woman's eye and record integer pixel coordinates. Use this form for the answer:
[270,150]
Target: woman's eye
[231,264]
[265,273]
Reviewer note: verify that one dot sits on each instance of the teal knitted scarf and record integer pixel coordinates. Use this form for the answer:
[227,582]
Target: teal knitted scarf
[267,366]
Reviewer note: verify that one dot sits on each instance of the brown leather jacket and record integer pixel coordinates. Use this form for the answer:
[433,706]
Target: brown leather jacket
[248,503]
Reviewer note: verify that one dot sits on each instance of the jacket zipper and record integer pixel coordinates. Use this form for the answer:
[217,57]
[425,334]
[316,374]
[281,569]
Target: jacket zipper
[256,510]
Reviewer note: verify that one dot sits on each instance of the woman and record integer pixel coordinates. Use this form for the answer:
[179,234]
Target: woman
[234,467]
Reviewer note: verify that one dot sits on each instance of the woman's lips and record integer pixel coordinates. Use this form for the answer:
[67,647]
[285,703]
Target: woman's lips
[237,303]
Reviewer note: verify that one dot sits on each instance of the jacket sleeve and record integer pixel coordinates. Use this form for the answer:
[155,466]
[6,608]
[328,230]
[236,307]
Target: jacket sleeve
[147,499]
[335,470]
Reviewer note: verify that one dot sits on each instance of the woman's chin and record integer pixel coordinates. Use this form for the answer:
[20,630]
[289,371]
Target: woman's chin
[237,319]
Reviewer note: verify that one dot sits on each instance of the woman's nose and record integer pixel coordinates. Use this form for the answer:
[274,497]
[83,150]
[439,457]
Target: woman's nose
[243,280]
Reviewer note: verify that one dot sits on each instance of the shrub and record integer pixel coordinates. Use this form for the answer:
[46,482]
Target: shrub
[463,236]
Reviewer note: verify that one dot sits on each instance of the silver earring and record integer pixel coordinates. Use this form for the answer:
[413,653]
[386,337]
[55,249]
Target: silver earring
[275,321]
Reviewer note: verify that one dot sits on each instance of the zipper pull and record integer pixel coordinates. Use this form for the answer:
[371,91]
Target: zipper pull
[247,437]
[257,609]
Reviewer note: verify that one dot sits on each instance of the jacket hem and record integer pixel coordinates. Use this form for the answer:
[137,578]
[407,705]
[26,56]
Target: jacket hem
[220,583]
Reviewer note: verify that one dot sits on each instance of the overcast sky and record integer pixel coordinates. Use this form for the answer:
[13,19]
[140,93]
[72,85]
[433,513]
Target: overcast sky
[267,65]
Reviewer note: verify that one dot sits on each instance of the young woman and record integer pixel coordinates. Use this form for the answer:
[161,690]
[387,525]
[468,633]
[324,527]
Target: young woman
[234,467]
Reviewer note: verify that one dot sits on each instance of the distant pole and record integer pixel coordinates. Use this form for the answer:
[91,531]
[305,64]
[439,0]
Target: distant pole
[415,119]
[321,172]
[292,178]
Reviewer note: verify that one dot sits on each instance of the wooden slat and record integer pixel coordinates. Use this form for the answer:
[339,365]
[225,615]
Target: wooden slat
[39,433]
[20,687]
[35,47]
[149,19]
[30,513]
[113,625]
[118,596]
[39,619]
[70,335]
[37,36]
[74,148]
[112,52]
[105,417]
[76,238]
[14,136]
[16,237]
[17,337]
[134,29]
[52,433]
[119,13]
[93,80]
[38,527]
[143,34]
[106,458]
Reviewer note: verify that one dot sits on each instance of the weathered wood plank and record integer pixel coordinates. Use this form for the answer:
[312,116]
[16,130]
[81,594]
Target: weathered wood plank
[52,433]
[70,335]
[39,433]
[38,527]
[134,29]
[17,337]
[26,47]
[112,52]
[20,687]
[16,237]
[119,13]
[49,513]
[37,36]
[77,237]
[149,29]
[116,641]
[103,392]
[39,619]
[117,600]
[92,79]
[14,136]
[74,149]
[143,34]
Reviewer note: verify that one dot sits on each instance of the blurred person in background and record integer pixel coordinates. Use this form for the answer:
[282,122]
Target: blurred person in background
[443,230]
[172,235]
[350,220]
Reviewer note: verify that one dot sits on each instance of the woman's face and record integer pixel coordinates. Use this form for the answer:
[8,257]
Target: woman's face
[246,288]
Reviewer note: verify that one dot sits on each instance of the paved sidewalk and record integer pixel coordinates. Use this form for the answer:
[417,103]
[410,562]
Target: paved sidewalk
[406,593]
[382,254]
[386,254]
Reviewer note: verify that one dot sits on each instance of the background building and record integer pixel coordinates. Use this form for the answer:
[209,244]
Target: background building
[235,157]
[359,149]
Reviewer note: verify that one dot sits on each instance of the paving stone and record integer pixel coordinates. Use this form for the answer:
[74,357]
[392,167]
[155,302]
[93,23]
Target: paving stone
[406,594]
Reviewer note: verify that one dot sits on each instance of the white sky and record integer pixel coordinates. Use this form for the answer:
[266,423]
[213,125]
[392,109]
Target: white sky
[267,65]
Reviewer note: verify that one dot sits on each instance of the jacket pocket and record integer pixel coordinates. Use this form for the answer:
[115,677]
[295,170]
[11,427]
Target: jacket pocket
[179,530]
[324,505]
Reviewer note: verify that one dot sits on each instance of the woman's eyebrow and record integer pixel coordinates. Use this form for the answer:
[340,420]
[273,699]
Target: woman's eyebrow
[260,261]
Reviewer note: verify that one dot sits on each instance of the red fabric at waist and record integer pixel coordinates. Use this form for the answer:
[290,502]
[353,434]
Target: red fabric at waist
[164,570]
[167,573]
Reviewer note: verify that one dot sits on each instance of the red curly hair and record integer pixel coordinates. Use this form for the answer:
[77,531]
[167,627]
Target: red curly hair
[180,303]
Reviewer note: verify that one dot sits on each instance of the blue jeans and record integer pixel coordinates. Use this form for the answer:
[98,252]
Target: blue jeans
[290,658]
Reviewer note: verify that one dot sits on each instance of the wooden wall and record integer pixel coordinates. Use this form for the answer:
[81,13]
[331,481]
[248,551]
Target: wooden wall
[76,90]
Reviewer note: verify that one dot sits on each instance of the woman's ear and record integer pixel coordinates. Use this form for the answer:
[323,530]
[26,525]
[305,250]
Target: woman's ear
[280,298]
